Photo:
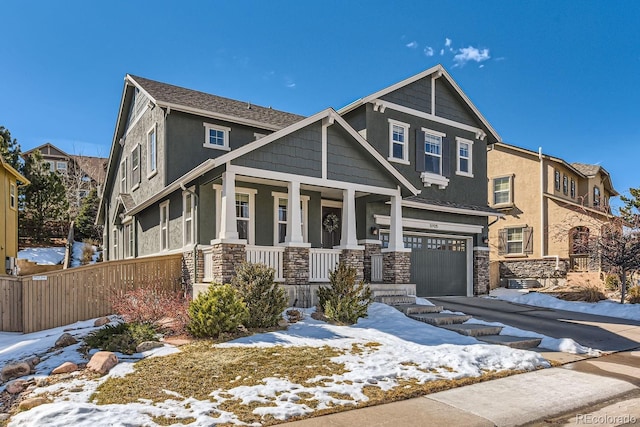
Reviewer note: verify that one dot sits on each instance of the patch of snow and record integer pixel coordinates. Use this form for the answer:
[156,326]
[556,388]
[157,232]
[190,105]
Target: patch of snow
[43,256]
[77,252]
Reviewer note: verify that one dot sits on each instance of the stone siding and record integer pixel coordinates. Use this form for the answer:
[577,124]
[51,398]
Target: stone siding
[190,272]
[226,256]
[480,272]
[370,249]
[396,267]
[542,270]
[354,258]
[295,266]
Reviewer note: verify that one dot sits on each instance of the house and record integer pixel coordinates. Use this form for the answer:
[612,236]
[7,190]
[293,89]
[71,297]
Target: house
[81,173]
[393,184]
[9,181]
[551,209]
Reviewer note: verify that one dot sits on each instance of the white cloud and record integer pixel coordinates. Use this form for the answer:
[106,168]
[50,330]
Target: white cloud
[291,85]
[447,42]
[412,45]
[470,54]
[428,51]
[441,52]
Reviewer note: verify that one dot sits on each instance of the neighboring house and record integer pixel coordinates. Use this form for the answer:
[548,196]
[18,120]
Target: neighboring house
[81,174]
[9,181]
[552,210]
[393,184]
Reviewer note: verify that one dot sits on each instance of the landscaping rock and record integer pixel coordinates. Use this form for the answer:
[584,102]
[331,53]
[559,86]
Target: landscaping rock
[16,386]
[42,382]
[27,404]
[102,362]
[148,345]
[65,368]
[101,321]
[65,340]
[15,370]
[33,361]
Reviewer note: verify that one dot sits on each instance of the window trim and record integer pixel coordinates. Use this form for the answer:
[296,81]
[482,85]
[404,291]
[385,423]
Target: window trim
[405,145]
[469,158]
[508,203]
[123,175]
[135,151]
[164,226]
[507,241]
[440,135]
[573,188]
[114,243]
[276,218]
[556,179]
[62,169]
[154,130]
[12,196]
[565,184]
[129,231]
[252,209]
[225,130]
[190,195]
[597,201]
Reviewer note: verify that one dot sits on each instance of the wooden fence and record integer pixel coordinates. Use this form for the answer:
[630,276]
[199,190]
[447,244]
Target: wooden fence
[37,302]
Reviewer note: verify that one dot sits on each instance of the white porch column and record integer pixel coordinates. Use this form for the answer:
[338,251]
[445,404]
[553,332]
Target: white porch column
[228,220]
[396,244]
[294,217]
[349,239]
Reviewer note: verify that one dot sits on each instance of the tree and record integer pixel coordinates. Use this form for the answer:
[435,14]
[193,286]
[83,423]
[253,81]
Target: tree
[44,200]
[85,221]
[9,148]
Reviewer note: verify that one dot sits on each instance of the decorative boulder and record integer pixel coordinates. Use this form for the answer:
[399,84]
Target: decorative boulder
[65,340]
[102,362]
[27,404]
[33,361]
[101,321]
[148,345]
[16,386]
[65,368]
[15,370]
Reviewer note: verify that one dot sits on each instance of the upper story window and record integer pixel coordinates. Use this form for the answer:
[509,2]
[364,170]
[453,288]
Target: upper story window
[573,188]
[152,152]
[216,137]
[596,196]
[433,153]
[123,175]
[164,226]
[565,184]
[135,167]
[12,195]
[52,165]
[61,167]
[464,157]
[398,141]
[557,180]
[502,194]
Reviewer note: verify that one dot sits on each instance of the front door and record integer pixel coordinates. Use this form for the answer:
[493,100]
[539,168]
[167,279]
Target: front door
[331,226]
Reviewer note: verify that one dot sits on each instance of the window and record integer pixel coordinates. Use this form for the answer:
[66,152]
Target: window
[515,241]
[128,240]
[216,137]
[398,141]
[565,184]
[557,180]
[188,222]
[152,152]
[281,202]
[596,196]
[52,165]
[12,195]
[164,226]
[243,215]
[135,168]
[464,152]
[433,153]
[115,244]
[61,167]
[573,188]
[502,191]
[123,175]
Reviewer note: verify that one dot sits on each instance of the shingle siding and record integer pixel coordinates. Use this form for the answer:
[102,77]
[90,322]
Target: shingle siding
[416,95]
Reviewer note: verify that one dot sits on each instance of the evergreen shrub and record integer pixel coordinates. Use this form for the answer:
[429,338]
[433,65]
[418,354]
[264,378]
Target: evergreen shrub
[264,298]
[219,309]
[344,301]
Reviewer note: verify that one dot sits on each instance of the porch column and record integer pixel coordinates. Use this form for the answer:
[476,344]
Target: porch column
[349,239]
[228,220]
[396,243]
[396,259]
[294,216]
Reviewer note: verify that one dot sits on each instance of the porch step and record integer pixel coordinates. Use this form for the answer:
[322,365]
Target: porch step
[521,343]
[395,299]
[389,292]
[439,319]
[474,330]
[418,308]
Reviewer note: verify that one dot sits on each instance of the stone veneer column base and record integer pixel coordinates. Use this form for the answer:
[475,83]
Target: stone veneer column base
[354,258]
[480,271]
[296,265]
[226,257]
[396,267]
[192,273]
[370,249]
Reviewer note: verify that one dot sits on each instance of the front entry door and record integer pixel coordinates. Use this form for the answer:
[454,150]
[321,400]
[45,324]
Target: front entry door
[331,229]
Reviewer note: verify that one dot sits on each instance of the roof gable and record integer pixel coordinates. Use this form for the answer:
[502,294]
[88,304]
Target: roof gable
[48,150]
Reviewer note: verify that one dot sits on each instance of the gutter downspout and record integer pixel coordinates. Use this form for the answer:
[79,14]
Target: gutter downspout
[542,214]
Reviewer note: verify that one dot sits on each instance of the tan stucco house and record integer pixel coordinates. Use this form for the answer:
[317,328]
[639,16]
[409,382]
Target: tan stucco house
[550,210]
[9,178]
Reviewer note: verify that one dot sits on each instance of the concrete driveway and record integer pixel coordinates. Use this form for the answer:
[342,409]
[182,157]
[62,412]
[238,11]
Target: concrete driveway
[608,334]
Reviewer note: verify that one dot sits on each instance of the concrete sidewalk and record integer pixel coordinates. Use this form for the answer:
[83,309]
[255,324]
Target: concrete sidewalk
[516,400]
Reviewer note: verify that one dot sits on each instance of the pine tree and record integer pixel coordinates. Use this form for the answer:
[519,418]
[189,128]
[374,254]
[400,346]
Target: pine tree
[85,221]
[10,149]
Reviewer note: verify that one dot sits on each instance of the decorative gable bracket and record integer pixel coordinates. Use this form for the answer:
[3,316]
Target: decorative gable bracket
[480,134]
[379,106]
[433,179]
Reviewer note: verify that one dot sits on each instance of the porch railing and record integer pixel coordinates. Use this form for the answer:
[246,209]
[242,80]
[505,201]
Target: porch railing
[271,256]
[320,262]
[579,262]
[376,267]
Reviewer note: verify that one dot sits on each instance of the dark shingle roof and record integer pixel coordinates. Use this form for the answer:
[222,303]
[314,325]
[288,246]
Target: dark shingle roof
[585,169]
[448,204]
[163,92]
[127,201]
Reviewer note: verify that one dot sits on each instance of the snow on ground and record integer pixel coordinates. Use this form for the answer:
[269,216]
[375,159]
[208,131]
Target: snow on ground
[43,256]
[407,350]
[602,308]
[77,252]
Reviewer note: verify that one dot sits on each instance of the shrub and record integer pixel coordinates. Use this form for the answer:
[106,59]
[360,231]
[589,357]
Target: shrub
[87,254]
[264,298]
[123,337]
[633,296]
[588,294]
[344,301]
[153,306]
[219,309]
[612,282]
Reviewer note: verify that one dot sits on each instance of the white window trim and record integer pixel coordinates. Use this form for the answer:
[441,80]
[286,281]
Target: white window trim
[429,178]
[469,158]
[305,216]
[190,194]
[251,192]
[224,129]
[61,162]
[509,203]
[151,173]
[166,230]
[507,253]
[405,144]
[136,147]
[114,244]
[13,196]
[129,240]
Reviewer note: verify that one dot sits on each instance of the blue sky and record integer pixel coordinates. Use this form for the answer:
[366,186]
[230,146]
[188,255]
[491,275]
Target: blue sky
[563,75]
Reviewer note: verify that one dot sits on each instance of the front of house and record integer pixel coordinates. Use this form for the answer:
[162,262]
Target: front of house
[393,184]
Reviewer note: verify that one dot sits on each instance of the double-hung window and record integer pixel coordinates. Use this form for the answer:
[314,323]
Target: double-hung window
[515,241]
[12,195]
[243,215]
[596,196]
[61,167]
[164,226]
[188,225]
[129,242]
[152,152]
[502,191]
[216,137]
[281,202]
[398,141]
[115,244]
[573,188]
[433,153]
[123,175]
[565,184]
[464,157]
[557,180]
[135,168]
